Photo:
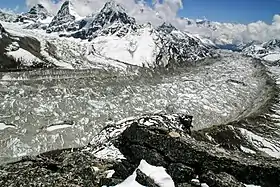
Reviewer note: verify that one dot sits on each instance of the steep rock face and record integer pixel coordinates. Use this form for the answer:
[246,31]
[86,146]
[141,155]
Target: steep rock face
[20,53]
[111,19]
[65,17]
[179,46]
[2,31]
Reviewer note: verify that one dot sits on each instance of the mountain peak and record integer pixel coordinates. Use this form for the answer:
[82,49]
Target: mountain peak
[112,19]
[112,5]
[65,16]
[112,12]
[36,9]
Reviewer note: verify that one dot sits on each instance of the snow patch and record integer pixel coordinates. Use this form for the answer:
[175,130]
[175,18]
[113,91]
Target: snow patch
[57,127]
[272,57]
[247,150]
[139,50]
[109,152]
[158,174]
[4,126]
[266,145]
[25,57]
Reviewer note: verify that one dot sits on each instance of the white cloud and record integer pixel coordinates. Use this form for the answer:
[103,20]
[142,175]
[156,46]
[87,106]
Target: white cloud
[166,10]
[160,12]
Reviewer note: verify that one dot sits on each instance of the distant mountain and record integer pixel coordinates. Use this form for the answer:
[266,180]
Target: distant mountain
[111,36]
[35,14]
[268,51]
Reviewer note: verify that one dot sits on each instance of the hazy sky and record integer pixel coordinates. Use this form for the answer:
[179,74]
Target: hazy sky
[241,11]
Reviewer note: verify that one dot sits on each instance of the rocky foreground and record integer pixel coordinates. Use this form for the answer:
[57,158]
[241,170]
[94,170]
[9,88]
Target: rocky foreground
[161,140]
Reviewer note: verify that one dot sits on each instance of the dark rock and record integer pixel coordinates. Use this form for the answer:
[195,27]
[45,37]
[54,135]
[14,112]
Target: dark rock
[200,156]
[145,180]
[180,172]
[110,181]
[220,180]
[69,167]
[111,19]
[184,185]
[124,169]
[63,19]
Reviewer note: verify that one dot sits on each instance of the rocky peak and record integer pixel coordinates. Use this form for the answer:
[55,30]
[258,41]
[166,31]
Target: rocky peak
[112,19]
[66,17]
[110,13]
[66,14]
[39,11]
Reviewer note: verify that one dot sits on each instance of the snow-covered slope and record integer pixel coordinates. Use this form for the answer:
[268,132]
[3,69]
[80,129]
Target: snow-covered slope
[20,52]
[108,38]
[4,16]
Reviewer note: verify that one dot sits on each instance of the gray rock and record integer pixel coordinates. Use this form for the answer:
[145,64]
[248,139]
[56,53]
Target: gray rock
[199,155]
[70,167]
[220,180]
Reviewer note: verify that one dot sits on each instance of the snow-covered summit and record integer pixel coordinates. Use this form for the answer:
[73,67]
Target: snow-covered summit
[64,18]
[112,19]
[36,14]
[38,11]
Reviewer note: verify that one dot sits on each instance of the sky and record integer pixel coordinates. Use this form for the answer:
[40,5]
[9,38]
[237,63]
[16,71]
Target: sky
[234,11]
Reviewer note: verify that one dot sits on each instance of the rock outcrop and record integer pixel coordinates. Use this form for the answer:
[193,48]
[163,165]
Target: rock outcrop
[161,140]
[159,148]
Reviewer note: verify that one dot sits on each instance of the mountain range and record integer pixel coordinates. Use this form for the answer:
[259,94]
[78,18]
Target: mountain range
[111,38]
[111,34]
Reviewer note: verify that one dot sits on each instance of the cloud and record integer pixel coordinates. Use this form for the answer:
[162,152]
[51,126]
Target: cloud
[166,11]
[160,11]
